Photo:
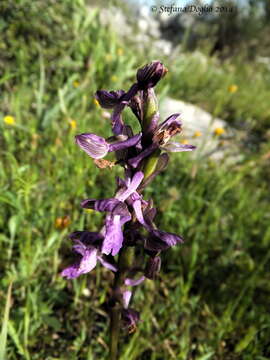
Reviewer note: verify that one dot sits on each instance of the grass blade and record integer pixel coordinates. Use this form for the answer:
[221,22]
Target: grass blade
[3,336]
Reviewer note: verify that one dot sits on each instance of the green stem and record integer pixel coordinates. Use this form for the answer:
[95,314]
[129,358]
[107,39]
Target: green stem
[124,262]
[114,333]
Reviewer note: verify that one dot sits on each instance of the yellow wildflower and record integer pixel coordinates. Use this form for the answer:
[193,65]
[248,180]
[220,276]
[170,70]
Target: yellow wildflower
[96,102]
[219,131]
[9,120]
[114,78]
[73,124]
[197,134]
[76,83]
[120,52]
[184,141]
[232,88]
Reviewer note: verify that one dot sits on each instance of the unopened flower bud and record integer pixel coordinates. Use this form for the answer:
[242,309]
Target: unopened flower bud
[150,74]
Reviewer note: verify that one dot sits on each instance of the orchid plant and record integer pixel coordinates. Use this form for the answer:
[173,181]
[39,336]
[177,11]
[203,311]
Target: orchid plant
[129,226]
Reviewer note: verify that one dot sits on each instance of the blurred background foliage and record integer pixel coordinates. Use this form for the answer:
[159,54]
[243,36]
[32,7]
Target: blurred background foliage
[211,300]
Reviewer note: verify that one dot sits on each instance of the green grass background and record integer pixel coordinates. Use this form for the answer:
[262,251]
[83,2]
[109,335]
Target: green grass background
[211,299]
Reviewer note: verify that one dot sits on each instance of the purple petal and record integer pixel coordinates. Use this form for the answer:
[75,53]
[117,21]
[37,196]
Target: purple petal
[113,237]
[130,318]
[109,99]
[177,147]
[70,272]
[80,248]
[126,143]
[133,282]
[149,215]
[135,182]
[134,162]
[86,237]
[137,206]
[171,120]
[100,205]
[117,122]
[124,219]
[106,264]
[131,92]
[95,146]
[88,261]
[126,298]
[86,264]
[160,240]
[121,209]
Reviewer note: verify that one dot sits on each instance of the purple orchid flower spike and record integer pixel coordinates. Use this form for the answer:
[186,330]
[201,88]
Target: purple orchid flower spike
[129,228]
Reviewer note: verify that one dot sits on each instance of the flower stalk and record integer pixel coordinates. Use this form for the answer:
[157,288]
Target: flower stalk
[124,262]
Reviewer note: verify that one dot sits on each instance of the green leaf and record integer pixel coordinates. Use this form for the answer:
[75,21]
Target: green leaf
[243,344]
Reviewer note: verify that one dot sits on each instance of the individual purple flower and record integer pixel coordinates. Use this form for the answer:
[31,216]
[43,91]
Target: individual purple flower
[159,240]
[161,140]
[118,213]
[130,318]
[109,99]
[89,255]
[97,147]
[117,100]
[113,236]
